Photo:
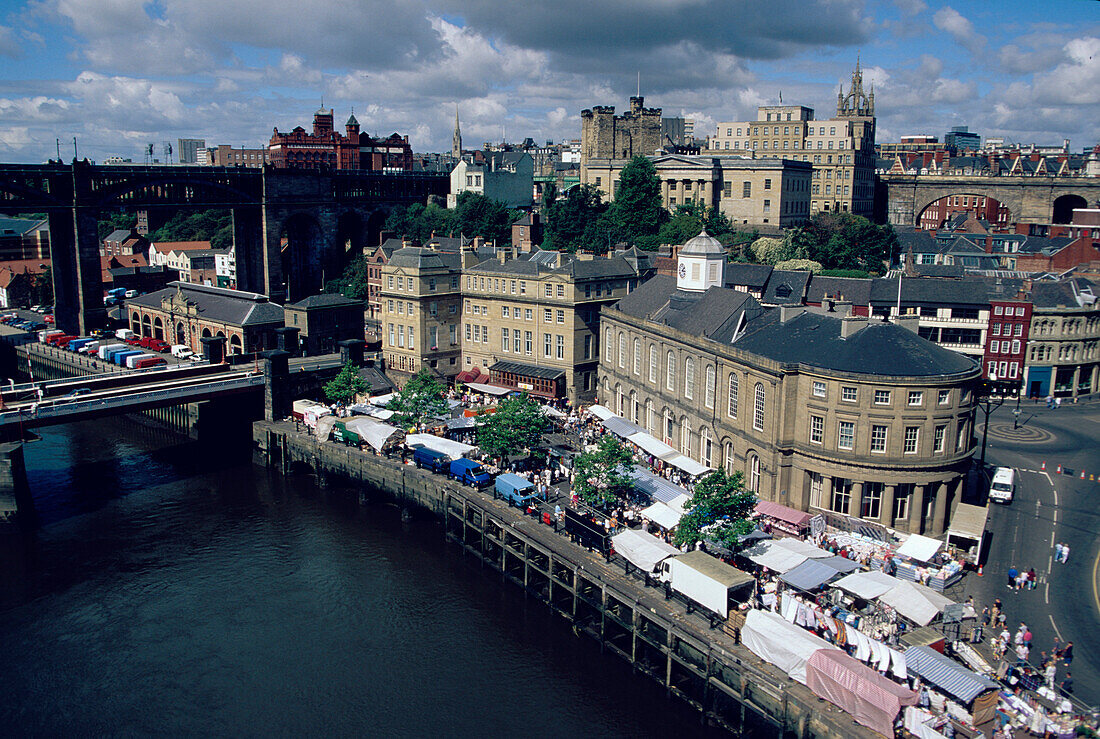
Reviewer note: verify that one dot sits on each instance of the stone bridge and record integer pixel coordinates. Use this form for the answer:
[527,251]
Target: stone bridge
[292,229]
[1029,199]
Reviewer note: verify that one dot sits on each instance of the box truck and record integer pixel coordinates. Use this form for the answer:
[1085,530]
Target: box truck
[707,581]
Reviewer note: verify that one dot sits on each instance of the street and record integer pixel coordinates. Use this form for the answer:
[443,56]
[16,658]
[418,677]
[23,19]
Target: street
[1048,508]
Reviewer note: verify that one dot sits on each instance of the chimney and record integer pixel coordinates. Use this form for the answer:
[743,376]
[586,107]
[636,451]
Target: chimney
[585,256]
[850,325]
[843,307]
[790,312]
[827,304]
[910,322]
[502,256]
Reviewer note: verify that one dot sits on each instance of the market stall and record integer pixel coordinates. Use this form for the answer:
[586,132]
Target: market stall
[600,411]
[642,550]
[867,585]
[379,436]
[810,575]
[784,519]
[776,558]
[776,641]
[654,486]
[967,531]
[872,700]
[974,692]
[453,449]
[914,601]
[662,515]
[651,445]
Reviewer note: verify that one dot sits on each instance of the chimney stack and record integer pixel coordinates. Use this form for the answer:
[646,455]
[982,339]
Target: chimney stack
[850,325]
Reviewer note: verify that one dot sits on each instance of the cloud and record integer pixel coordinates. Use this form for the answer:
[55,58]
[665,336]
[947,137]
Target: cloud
[1074,82]
[9,47]
[953,23]
[911,7]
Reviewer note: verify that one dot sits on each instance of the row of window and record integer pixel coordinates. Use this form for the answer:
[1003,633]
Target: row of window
[1004,347]
[1011,370]
[408,284]
[1009,328]
[882,396]
[846,436]
[872,495]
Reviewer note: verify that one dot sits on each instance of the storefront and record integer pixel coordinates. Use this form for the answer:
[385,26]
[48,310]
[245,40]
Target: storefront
[544,382]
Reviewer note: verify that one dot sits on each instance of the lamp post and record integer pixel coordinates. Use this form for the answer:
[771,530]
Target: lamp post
[988,408]
[1016,412]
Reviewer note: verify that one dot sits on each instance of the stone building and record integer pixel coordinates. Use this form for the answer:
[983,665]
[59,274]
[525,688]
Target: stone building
[857,418]
[1063,351]
[323,321]
[605,135]
[506,176]
[841,149]
[123,242]
[185,313]
[747,191]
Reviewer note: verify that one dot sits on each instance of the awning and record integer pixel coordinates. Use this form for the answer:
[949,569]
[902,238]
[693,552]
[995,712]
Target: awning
[688,465]
[373,432]
[600,412]
[867,585]
[324,427]
[656,487]
[651,445]
[382,400]
[947,674]
[453,449]
[775,558]
[777,641]
[804,548]
[840,564]
[472,374]
[662,515]
[920,548]
[642,550]
[918,603]
[872,699]
[783,513]
[809,575]
[489,389]
[552,412]
[527,370]
[621,427]
[679,503]
[465,422]
[968,521]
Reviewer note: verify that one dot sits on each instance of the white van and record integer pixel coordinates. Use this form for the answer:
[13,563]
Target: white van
[1004,485]
[181,351]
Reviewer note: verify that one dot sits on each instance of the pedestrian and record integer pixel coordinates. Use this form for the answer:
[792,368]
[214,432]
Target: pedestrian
[1057,403]
[1027,637]
[1065,553]
[1012,573]
[1018,639]
[1067,682]
[1058,552]
[1067,653]
[1056,650]
[1051,673]
[1031,578]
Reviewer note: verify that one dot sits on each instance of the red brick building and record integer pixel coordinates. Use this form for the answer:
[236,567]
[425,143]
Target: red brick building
[1081,251]
[1006,339]
[326,148]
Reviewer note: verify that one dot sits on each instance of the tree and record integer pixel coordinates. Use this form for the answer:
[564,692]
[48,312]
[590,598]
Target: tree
[347,384]
[421,397]
[768,250]
[638,208]
[518,424]
[214,225]
[353,282]
[42,287]
[804,265]
[115,222]
[476,215]
[845,241]
[573,223]
[602,476]
[722,506]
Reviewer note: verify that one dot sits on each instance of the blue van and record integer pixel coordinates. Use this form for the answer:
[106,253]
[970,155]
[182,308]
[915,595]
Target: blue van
[430,458]
[470,472]
[515,489]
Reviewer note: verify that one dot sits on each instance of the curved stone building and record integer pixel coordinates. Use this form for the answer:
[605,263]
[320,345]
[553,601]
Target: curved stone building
[822,411]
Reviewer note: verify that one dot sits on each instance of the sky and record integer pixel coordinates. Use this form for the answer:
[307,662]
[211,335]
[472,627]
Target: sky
[117,74]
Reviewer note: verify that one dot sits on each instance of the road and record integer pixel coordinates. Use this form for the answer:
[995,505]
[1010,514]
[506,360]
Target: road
[1049,507]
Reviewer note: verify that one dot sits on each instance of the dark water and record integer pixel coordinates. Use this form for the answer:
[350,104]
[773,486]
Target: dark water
[175,589]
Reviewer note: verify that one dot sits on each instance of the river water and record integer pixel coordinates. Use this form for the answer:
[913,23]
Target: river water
[173,588]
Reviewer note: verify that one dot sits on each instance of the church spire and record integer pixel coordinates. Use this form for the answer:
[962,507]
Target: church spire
[456,141]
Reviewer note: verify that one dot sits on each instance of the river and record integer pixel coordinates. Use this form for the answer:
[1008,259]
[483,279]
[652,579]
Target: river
[173,588]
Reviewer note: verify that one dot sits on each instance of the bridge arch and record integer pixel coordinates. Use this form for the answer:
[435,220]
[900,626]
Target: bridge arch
[980,205]
[1064,206]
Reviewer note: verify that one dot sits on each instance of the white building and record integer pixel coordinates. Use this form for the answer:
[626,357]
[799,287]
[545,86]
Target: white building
[505,176]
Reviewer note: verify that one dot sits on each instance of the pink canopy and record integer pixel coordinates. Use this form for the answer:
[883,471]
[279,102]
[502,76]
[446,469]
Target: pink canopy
[783,513]
[873,700]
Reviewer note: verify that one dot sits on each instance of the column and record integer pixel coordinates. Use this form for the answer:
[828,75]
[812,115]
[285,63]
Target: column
[1053,378]
[889,494]
[939,513]
[664,193]
[855,508]
[1076,378]
[827,487]
[916,509]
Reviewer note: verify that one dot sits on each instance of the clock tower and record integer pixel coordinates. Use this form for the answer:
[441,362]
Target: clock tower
[701,264]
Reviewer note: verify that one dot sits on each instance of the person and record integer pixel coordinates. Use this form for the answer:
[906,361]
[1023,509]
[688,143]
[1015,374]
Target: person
[1067,682]
[1065,553]
[1012,573]
[1031,578]
[1067,653]
[1027,637]
[1057,403]
[1058,552]
[1051,673]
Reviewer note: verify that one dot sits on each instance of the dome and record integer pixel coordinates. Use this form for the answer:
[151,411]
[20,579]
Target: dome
[703,245]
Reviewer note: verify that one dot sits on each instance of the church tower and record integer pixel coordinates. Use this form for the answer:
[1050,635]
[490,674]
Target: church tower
[456,140]
[856,104]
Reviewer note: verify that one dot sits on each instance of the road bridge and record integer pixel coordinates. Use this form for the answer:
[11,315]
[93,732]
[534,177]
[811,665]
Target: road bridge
[291,228]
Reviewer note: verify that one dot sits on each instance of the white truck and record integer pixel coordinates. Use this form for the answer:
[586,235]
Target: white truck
[124,334]
[642,550]
[181,351]
[707,581]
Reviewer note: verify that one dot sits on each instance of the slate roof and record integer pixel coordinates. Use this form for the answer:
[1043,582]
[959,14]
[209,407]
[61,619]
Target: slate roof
[786,287]
[967,291]
[921,241]
[419,257]
[119,234]
[856,290]
[234,307]
[939,270]
[879,348]
[325,300]
[751,275]
[1045,244]
[528,370]
[1073,293]
[541,262]
[18,225]
[714,313]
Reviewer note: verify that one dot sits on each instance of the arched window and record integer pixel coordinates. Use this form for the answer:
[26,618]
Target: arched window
[235,344]
[754,473]
[158,328]
[689,378]
[685,438]
[649,418]
[181,333]
[668,426]
[727,457]
[607,345]
[622,350]
[670,372]
[619,400]
[633,406]
[758,408]
[732,409]
[708,391]
[135,322]
[146,326]
[653,364]
[706,447]
[637,356]
[206,333]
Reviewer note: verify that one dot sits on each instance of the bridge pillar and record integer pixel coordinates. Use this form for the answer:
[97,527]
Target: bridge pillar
[287,338]
[351,350]
[277,400]
[15,496]
[213,349]
[248,246]
[74,258]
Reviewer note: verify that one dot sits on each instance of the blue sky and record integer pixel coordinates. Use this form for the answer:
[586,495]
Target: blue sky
[117,74]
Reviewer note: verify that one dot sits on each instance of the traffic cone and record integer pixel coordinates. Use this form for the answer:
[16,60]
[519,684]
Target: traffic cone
[1059,470]
[1082,474]
[1043,466]
[980,568]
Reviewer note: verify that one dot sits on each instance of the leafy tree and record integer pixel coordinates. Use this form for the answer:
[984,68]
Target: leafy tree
[575,222]
[353,282]
[214,225]
[42,288]
[421,397]
[347,384]
[518,424]
[602,476]
[805,265]
[845,241]
[549,196]
[690,218]
[722,506]
[768,250]
[420,221]
[477,215]
[638,208]
[858,273]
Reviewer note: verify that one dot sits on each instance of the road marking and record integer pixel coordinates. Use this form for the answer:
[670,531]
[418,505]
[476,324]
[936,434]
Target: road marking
[1052,539]
[1056,631]
[1046,593]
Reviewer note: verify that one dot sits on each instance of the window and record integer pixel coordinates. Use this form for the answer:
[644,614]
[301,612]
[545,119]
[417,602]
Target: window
[561,316]
[708,391]
[389,282]
[392,343]
[389,306]
[528,343]
[746,189]
[731,409]
[528,314]
[944,397]
[622,350]
[817,429]
[937,439]
[912,435]
[637,356]
[411,338]
[706,447]
[754,473]
[670,372]
[1015,347]
[547,315]
[548,348]
[878,439]
[902,493]
[505,312]
[767,184]
[505,340]
[819,389]
[916,397]
[517,345]
[994,347]
[846,435]
[872,500]
[431,283]
[816,487]
[561,291]
[561,346]
[689,378]
[848,394]
[996,329]
[400,335]
[522,287]
[842,495]
[549,290]
[758,408]
[652,363]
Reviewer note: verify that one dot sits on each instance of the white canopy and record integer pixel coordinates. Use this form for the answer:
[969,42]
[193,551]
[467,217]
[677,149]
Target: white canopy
[688,465]
[382,400]
[918,603]
[920,548]
[552,412]
[776,558]
[803,547]
[600,412]
[373,432]
[679,502]
[481,387]
[662,515]
[324,427]
[453,449]
[642,550]
[775,640]
[652,445]
[867,585]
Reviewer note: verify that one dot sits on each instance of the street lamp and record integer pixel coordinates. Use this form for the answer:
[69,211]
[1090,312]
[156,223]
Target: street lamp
[988,408]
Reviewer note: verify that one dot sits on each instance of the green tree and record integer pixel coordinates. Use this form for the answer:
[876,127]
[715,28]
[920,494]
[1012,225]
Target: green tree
[602,476]
[722,506]
[768,250]
[353,282]
[114,222]
[638,208]
[574,222]
[213,225]
[476,215]
[549,196]
[846,241]
[518,424]
[805,265]
[42,288]
[422,397]
[347,384]
[692,217]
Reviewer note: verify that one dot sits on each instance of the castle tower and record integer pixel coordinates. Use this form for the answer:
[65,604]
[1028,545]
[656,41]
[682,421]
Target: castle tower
[456,140]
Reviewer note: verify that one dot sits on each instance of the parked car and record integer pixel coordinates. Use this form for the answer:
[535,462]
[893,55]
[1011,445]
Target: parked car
[515,489]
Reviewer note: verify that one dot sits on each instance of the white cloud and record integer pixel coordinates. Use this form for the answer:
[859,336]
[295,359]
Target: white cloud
[9,47]
[952,22]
